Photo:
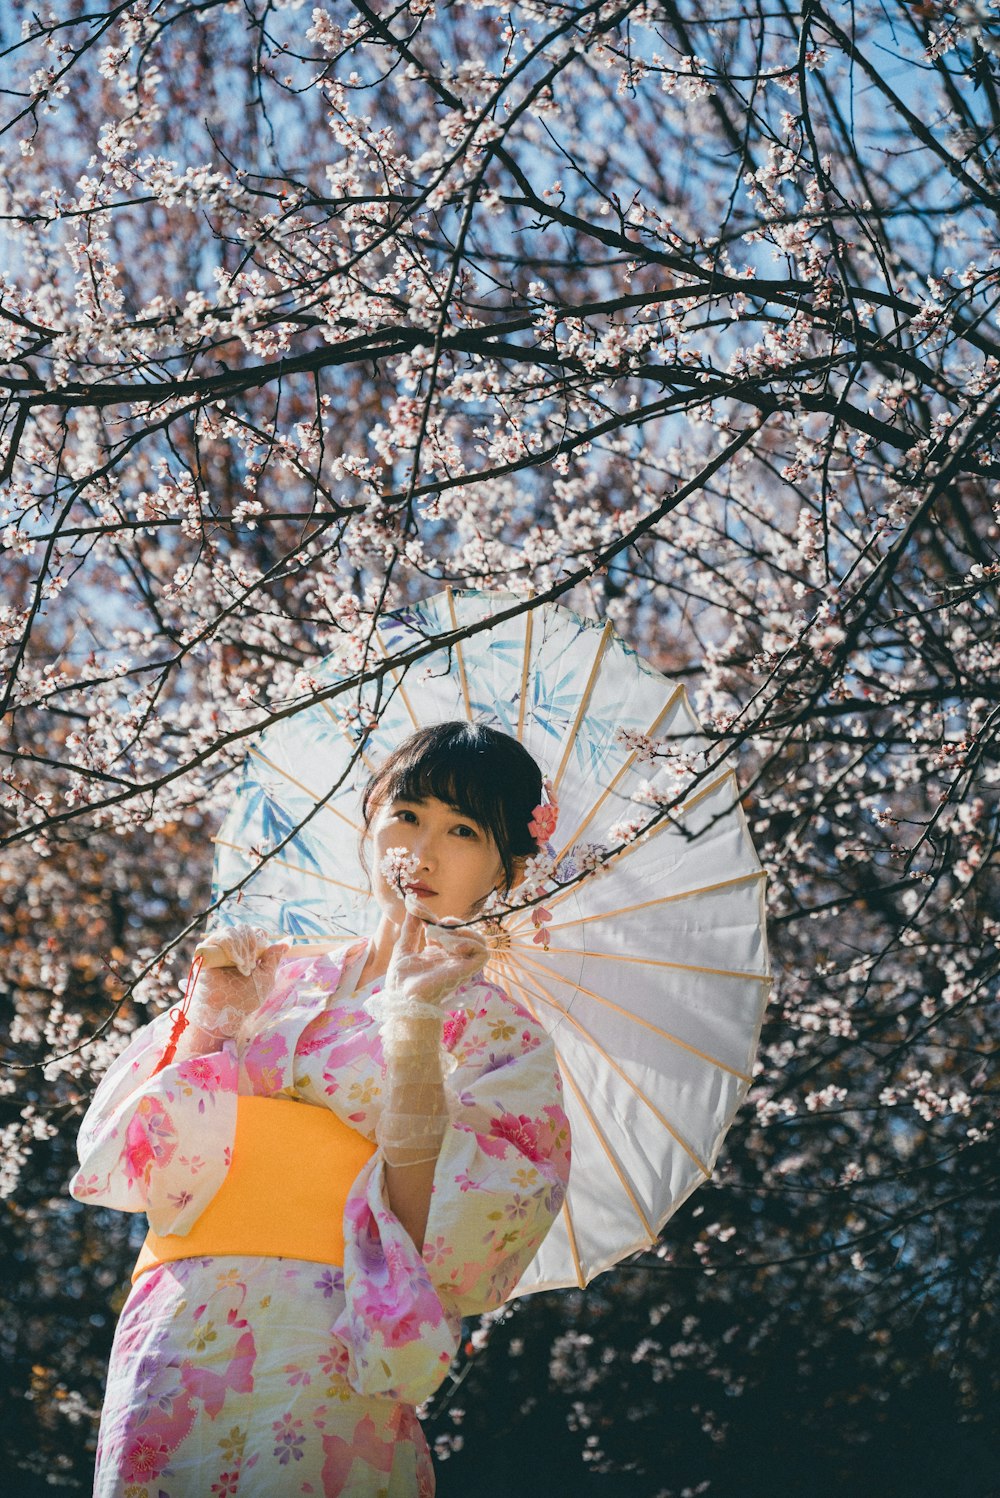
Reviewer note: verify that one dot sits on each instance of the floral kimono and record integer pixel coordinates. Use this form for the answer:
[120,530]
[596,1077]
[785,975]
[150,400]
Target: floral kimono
[254,1377]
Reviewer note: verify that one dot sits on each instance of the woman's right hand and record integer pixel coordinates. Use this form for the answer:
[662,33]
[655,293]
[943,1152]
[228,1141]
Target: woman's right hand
[244,961]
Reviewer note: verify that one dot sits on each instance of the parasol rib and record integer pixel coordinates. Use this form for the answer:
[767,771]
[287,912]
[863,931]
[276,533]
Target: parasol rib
[459,656]
[681,967]
[638,1091]
[524,676]
[600,1135]
[304,788]
[622,1178]
[397,678]
[646,837]
[296,868]
[570,1230]
[707,790]
[574,1250]
[647,1024]
[683,894]
[581,711]
[368,764]
[592,813]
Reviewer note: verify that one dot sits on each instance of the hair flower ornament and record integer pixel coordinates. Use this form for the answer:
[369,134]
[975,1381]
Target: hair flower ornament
[544,817]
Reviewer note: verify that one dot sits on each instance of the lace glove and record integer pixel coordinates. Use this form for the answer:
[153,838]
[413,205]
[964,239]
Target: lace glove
[237,974]
[409,1010]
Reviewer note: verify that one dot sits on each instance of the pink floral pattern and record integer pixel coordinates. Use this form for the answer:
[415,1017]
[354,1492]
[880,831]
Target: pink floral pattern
[250,1377]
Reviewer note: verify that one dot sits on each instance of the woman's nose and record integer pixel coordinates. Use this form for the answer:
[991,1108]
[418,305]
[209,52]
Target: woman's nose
[423,848]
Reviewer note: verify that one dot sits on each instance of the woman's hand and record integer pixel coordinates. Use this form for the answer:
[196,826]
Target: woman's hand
[431,959]
[239,966]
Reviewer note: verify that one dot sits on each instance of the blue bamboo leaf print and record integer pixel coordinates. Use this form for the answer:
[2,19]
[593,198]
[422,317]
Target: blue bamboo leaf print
[324,727]
[554,703]
[300,851]
[403,628]
[303,918]
[264,822]
[492,653]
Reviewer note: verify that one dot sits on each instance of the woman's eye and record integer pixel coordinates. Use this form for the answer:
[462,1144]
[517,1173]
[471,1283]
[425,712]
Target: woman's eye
[464,831]
[404,814]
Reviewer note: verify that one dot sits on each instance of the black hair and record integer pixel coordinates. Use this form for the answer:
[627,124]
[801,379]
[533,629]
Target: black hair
[484,774]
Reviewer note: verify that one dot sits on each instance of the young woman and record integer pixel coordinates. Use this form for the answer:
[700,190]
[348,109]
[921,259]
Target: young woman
[307,1267]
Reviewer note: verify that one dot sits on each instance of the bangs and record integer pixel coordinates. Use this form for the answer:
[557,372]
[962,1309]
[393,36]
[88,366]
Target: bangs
[455,775]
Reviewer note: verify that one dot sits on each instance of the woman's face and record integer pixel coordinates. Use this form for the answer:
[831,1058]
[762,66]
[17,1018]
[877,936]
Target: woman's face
[458,860]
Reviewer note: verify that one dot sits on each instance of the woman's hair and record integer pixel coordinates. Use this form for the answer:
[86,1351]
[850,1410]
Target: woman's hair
[484,774]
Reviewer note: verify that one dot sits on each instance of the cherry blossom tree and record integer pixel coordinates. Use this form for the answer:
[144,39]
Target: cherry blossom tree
[684,317]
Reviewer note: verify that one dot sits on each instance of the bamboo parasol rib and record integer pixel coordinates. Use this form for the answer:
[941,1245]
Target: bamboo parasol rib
[629,1081]
[647,1025]
[594,1124]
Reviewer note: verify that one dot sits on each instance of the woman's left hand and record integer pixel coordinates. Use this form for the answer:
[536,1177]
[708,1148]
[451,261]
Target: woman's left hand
[431,959]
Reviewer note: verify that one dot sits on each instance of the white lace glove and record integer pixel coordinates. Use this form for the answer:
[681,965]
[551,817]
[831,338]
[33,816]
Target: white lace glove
[410,1014]
[237,974]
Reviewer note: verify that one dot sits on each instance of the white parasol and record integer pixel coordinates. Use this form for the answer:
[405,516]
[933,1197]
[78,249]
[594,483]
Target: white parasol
[655,980]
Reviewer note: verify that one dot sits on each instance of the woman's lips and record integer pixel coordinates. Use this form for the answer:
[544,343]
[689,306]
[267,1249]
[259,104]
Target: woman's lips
[421,889]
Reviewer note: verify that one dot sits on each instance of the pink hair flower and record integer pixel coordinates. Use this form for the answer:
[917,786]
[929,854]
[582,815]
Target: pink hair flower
[543,821]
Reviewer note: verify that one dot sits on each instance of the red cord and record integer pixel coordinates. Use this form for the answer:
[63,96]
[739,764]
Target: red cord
[180,1018]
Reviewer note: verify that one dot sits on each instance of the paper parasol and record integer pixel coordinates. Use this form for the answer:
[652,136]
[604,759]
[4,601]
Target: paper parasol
[656,976]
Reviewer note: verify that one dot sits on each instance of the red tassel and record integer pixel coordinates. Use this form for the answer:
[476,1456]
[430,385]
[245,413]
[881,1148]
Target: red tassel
[180,1018]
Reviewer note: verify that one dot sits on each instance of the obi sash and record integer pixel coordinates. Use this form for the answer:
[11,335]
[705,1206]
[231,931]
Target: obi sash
[292,1167]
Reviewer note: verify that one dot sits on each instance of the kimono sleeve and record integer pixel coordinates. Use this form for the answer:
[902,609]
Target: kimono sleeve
[499,1182]
[158,1144]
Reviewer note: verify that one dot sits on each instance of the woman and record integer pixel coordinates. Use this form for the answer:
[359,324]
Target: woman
[278,1334]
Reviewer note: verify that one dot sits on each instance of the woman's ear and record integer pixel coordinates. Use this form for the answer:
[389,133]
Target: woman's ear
[500,885]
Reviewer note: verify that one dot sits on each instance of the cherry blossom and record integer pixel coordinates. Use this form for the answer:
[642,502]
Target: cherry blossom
[682,318]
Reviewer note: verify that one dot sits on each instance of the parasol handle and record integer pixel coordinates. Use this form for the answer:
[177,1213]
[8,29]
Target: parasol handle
[212,955]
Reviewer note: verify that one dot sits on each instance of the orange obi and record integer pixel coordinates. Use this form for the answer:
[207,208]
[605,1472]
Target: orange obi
[284,1194]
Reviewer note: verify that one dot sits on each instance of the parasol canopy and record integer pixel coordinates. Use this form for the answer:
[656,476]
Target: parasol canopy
[655,978]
